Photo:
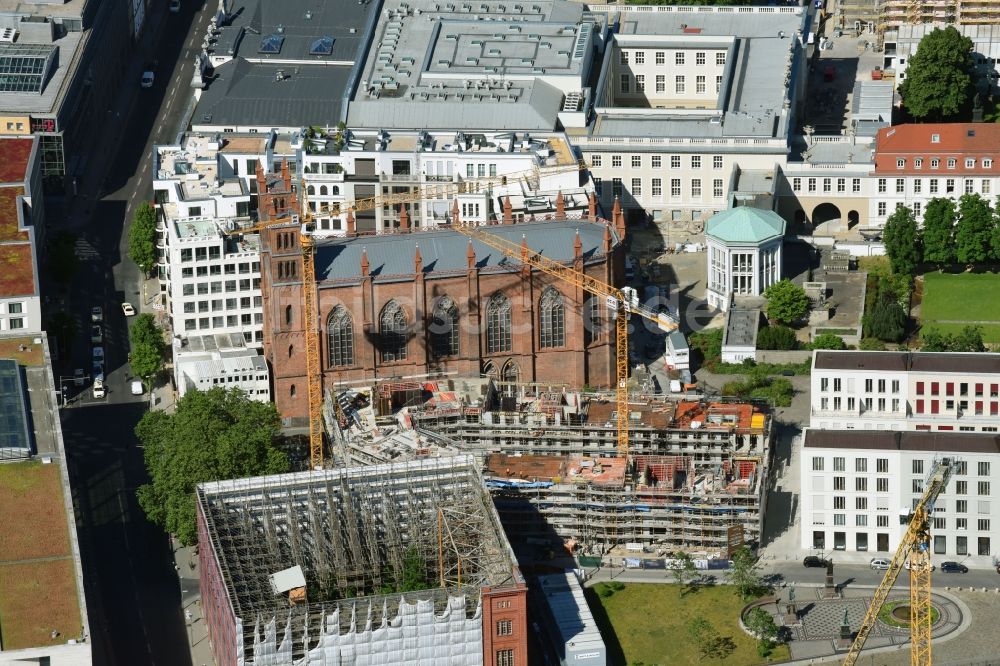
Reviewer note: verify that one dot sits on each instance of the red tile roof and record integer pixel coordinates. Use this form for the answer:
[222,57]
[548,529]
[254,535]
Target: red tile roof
[954,140]
[17,277]
[14,154]
[8,215]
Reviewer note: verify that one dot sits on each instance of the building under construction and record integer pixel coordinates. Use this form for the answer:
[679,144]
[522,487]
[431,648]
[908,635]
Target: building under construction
[695,473]
[381,564]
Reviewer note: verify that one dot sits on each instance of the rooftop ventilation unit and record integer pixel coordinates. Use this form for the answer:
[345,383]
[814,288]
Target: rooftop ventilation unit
[8,35]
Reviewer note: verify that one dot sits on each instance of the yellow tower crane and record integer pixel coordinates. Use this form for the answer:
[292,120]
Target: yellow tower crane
[314,370]
[612,296]
[914,546]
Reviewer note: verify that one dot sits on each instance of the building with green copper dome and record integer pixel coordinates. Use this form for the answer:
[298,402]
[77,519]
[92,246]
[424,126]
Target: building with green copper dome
[744,253]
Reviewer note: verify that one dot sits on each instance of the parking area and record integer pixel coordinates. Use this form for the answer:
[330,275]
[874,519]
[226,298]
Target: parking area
[833,71]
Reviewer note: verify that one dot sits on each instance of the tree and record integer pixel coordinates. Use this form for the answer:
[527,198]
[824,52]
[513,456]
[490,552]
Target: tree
[744,572]
[887,318]
[938,80]
[147,347]
[902,241]
[684,571]
[761,624]
[786,302]
[142,237]
[871,344]
[709,343]
[710,643]
[969,339]
[939,231]
[776,337]
[974,230]
[212,435]
[827,341]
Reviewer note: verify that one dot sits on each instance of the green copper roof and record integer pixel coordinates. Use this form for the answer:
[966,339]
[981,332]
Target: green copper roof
[745,225]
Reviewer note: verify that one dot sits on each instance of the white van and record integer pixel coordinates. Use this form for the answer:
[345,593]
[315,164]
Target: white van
[98,391]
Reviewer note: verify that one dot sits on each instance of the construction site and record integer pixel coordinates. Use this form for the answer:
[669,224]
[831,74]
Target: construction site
[380,564]
[695,470]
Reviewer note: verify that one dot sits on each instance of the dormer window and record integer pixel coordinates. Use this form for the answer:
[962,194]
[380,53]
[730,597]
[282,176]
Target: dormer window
[935,162]
[935,138]
[900,163]
[951,162]
[970,163]
[918,162]
[987,163]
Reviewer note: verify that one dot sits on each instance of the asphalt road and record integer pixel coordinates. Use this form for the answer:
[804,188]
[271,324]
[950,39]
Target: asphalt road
[132,588]
[793,573]
[132,591]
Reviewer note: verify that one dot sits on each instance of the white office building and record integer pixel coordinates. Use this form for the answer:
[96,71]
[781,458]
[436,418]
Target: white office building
[859,486]
[688,104]
[924,391]
[204,187]
[203,362]
[464,176]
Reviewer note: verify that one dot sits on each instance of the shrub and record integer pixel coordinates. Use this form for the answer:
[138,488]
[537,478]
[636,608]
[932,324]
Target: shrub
[776,337]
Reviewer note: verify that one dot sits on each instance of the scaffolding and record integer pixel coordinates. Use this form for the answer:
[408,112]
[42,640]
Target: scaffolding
[350,531]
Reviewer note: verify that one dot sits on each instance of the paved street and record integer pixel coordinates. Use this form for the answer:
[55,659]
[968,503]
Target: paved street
[132,586]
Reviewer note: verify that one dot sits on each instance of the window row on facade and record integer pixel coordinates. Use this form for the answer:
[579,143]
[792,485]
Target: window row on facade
[952,162]
[676,189]
[636,83]
[701,58]
[219,287]
[674,162]
[443,329]
[959,544]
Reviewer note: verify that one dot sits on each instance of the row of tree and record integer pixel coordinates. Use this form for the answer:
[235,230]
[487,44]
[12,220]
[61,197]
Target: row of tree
[966,233]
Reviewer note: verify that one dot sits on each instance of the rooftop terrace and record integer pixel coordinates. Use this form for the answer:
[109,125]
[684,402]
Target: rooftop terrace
[38,590]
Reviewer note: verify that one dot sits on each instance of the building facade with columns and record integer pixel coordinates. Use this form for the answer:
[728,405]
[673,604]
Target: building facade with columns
[744,253]
[429,302]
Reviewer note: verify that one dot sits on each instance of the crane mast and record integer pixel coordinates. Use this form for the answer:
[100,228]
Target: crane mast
[915,546]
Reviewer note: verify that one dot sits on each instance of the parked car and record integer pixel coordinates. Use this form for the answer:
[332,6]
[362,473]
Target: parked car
[147,79]
[99,355]
[813,561]
[175,6]
[78,377]
[97,371]
[907,565]
[879,563]
[128,309]
[137,388]
[96,334]
[99,391]
[96,314]
[953,567]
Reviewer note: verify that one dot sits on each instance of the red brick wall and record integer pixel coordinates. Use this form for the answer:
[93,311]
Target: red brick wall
[505,603]
[219,617]
[574,363]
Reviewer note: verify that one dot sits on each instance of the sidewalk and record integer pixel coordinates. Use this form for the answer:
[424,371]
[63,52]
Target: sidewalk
[186,565]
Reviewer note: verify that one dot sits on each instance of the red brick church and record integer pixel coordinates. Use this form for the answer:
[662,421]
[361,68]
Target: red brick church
[418,303]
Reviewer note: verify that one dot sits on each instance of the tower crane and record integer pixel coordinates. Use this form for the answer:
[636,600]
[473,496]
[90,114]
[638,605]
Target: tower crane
[314,371]
[314,377]
[612,296]
[915,545]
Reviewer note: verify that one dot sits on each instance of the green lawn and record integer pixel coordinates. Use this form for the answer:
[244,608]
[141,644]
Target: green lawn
[962,296]
[647,623]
